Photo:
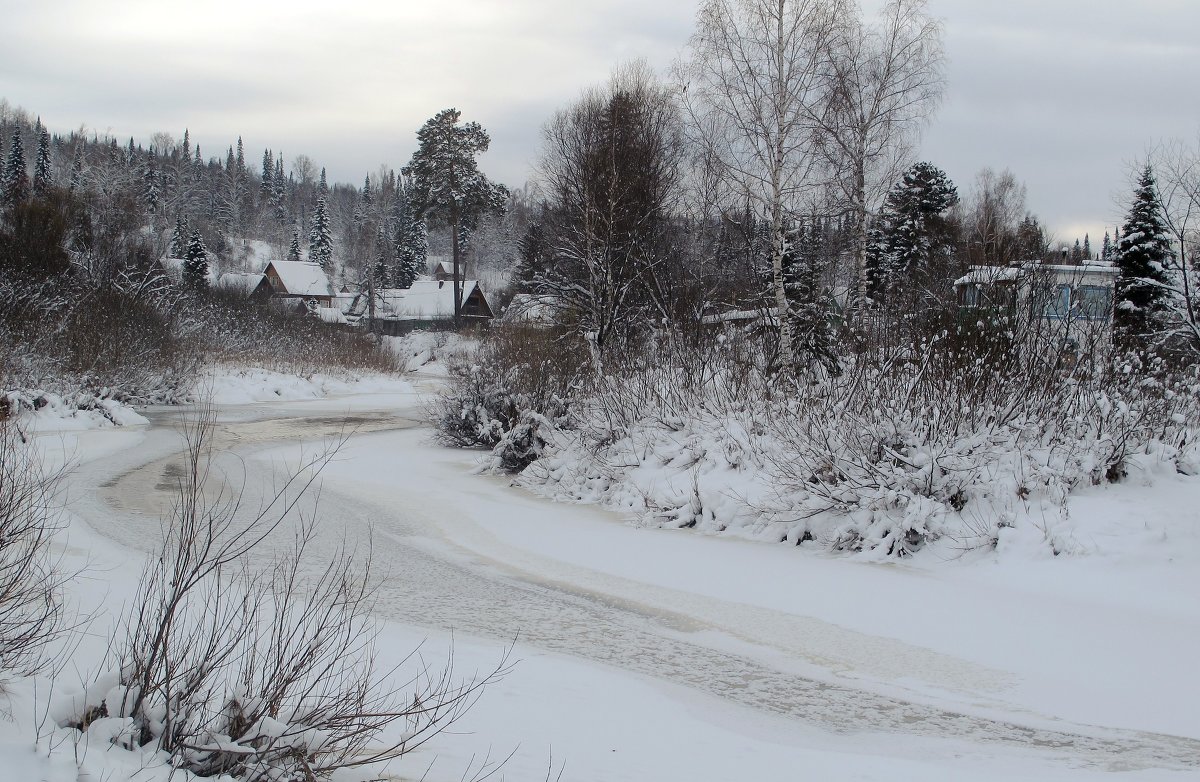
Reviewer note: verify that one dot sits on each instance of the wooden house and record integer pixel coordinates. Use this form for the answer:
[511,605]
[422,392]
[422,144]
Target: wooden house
[296,280]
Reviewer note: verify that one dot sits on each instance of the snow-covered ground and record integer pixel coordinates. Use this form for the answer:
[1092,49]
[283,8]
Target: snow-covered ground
[650,654]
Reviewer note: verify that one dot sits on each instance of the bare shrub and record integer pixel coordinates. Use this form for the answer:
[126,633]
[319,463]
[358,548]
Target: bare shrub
[228,328]
[264,673]
[31,607]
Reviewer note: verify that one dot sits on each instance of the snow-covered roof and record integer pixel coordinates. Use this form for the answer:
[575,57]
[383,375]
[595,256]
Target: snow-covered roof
[1063,272]
[735,316]
[301,279]
[425,299]
[985,275]
[238,281]
[330,315]
[1091,267]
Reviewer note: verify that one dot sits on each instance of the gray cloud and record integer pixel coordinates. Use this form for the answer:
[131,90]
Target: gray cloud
[1065,93]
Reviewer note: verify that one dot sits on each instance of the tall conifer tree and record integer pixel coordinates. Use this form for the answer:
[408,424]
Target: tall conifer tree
[320,238]
[16,178]
[1143,254]
[195,265]
[42,177]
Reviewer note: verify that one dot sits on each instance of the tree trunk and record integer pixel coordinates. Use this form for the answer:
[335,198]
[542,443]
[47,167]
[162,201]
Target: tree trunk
[858,214]
[454,217]
[778,230]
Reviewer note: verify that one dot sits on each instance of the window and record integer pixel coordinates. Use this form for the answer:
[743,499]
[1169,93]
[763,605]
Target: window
[1093,302]
[1058,302]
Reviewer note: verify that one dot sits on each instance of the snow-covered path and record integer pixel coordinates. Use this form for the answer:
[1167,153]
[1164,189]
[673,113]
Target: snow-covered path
[433,529]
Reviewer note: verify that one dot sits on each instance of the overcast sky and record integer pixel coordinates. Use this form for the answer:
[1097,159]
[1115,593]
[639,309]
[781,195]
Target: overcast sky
[1065,93]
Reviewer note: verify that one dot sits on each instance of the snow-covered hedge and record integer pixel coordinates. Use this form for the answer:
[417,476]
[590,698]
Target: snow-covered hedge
[903,447]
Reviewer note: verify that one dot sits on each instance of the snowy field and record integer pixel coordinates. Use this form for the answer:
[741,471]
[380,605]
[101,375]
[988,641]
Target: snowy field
[649,654]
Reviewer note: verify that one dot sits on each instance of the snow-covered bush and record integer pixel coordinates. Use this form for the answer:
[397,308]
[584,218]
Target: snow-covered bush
[502,396]
[959,436]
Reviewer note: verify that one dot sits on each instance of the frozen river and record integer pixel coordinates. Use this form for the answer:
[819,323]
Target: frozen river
[747,684]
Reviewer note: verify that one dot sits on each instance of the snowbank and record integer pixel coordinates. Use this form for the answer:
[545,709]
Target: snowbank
[41,411]
[242,385]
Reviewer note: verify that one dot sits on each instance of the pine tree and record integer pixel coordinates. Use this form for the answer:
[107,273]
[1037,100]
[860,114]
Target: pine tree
[195,265]
[368,196]
[42,178]
[320,238]
[322,186]
[187,146]
[1106,249]
[179,239]
[1087,247]
[1143,254]
[294,250]
[229,162]
[16,178]
[447,183]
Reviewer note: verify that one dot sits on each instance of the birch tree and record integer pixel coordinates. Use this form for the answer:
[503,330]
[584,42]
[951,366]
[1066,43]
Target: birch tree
[885,79]
[754,83]
[1176,165]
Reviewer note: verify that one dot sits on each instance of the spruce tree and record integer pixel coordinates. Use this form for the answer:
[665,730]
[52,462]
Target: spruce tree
[322,186]
[268,174]
[294,250]
[179,239]
[911,228]
[383,259]
[808,313]
[241,161]
[320,238]
[16,178]
[1143,255]
[368,196]
[42,178]
[532,251]
[412,248]
[195,265]
[150,184]
[187,146]
[279,192]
